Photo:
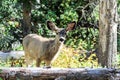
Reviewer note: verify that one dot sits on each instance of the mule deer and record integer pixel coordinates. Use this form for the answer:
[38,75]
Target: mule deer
[45,49]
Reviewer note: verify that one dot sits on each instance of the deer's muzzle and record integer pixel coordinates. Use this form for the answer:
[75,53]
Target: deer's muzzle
[62,39]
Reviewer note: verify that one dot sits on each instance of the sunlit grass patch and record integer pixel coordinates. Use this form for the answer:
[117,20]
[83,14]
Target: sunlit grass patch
[71,58]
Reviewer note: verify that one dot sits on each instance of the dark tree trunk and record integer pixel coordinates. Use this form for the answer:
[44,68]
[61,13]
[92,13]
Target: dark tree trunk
[108,33]
[26,17]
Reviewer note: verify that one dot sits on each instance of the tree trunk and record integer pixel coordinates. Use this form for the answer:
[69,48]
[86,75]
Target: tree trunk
[58,74]
[108,33]
[26,17]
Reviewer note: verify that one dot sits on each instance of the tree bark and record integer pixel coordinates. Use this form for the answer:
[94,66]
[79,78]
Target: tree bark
[108,33]
[58,74]
[26,17]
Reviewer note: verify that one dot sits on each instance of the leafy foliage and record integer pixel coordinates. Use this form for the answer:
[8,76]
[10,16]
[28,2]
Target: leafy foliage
[118,40]
[118,35]
[84,37]
[59,11]
[8,24]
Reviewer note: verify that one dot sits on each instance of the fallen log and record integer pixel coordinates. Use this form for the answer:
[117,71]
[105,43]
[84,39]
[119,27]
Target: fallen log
[58,74]
[4,56]
[13,56]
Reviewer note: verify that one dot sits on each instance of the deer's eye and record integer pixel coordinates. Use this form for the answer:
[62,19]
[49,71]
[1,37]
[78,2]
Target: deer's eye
[63,33]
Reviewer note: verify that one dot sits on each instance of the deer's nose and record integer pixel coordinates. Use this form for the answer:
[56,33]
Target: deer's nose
[61,39]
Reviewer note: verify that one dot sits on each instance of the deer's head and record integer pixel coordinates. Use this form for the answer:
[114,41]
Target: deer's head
[61,32]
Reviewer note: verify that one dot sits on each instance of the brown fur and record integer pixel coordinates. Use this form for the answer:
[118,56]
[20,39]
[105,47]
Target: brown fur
[34,44]
[42,49]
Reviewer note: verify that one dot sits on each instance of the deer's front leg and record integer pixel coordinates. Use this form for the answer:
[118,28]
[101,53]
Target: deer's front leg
[38,61]
[48,64]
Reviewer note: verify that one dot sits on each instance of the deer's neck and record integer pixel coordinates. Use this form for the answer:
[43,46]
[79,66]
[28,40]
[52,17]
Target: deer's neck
[54,48]
[57,45]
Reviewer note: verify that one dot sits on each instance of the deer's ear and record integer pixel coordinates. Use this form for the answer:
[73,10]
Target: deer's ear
[52,26]
[71,26]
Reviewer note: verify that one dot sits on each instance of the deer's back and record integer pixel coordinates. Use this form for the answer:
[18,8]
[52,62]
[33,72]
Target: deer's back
[35,45]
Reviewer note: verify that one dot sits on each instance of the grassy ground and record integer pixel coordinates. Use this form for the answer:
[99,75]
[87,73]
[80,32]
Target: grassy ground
[68,58]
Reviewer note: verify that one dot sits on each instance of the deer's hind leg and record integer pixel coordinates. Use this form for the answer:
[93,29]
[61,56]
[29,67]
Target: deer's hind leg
[28,60]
